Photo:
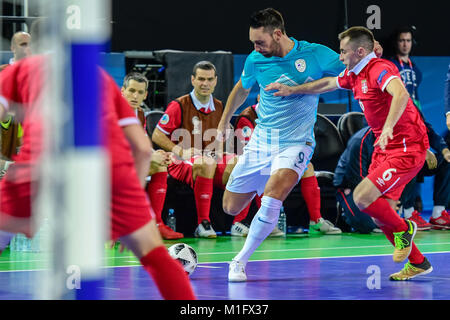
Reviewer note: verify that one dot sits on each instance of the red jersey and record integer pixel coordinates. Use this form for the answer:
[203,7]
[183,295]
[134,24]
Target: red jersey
[368,81]
[23,82]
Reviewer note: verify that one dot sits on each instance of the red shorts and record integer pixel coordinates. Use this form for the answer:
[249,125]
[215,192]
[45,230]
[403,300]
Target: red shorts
[130,207]
[220,169]
[182,170]
[391,170]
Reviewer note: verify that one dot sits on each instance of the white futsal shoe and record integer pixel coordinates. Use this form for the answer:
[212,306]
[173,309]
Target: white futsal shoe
[205,230]
[236,272]
[239,229]
[276,232]
[323,227]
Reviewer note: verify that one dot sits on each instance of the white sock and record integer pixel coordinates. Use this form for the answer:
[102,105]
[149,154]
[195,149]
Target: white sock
[5,238]
[437,210]
[262,225]
[407,213]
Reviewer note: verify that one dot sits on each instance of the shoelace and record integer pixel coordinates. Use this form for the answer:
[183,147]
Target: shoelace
[399,241]
[417,217]
[445,215]
[409,266]
[238,267]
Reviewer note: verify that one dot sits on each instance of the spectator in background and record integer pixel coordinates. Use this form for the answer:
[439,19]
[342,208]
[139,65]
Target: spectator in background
[192,120]
[20,47]
[403,39]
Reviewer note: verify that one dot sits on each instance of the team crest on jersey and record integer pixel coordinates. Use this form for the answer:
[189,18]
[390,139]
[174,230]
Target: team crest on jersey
[364,87]
[164,119]
[342,74]
[300,64]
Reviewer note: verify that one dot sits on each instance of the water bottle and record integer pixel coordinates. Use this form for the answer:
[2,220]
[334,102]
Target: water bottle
[39,241]
[19,243]
[12,244]
[282,220]
[171,220]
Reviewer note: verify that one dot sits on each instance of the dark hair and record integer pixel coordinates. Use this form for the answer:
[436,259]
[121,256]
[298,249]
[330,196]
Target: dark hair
[400,30]
[403,29]
[204,65]
[268,18]
[360,36]
[136,76]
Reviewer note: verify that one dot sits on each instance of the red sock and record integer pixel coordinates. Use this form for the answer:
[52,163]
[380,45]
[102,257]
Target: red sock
[415,256]
[168,274]
[241,216]
[382,211]
[203,190]
[157,189]
[311,193]
[258,200]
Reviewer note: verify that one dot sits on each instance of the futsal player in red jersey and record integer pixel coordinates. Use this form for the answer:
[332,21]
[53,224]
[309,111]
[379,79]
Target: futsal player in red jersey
[400,147]
[129,151]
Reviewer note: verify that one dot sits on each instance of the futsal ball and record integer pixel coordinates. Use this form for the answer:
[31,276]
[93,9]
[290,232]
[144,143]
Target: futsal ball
[185,255]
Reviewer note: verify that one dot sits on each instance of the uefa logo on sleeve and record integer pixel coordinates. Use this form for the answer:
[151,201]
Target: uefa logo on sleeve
[164,119]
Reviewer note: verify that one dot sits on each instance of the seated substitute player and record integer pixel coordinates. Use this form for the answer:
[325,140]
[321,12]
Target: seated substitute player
[352,168]
[192,120]
[129,150]
[401,144]
[135,90]
[244,126]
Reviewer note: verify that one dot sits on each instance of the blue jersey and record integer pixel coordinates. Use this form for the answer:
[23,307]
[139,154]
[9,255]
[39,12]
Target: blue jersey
[291,119]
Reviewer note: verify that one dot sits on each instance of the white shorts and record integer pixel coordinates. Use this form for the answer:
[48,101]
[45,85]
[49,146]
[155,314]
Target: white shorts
[254,167]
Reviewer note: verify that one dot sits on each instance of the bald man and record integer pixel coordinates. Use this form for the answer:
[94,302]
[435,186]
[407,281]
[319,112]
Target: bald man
[20,47]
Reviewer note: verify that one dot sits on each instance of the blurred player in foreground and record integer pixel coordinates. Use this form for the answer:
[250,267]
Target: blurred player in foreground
[129,150]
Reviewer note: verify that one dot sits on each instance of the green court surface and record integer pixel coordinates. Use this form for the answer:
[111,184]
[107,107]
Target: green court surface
[224,248]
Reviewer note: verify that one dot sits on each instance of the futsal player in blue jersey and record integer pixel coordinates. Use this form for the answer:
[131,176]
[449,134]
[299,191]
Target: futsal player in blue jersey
[283,142]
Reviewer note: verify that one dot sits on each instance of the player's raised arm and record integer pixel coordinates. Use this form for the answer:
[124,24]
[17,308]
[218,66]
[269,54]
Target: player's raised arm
[398,105]
[315,87]
[236,98]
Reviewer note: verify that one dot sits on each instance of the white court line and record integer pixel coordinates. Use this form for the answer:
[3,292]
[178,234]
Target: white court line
[265,251]
[262,260]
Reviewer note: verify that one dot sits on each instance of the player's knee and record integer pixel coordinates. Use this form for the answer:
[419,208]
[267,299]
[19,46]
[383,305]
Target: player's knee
[361,200]
[230,207]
